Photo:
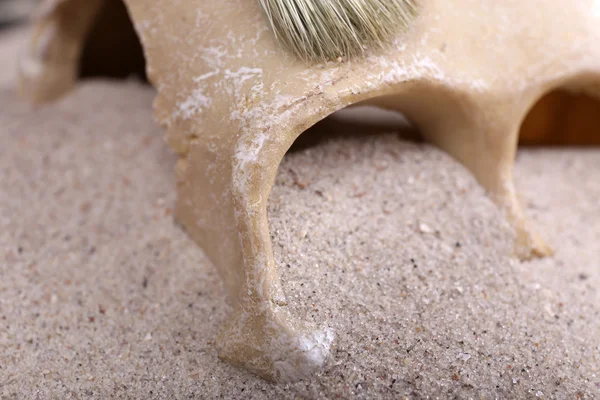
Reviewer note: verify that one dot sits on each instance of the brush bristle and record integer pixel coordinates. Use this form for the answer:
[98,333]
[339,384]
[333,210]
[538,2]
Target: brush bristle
[320,30]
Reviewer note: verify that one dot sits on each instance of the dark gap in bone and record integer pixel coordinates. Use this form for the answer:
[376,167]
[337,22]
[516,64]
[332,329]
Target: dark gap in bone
[562,118]
[112,48]
[356,121]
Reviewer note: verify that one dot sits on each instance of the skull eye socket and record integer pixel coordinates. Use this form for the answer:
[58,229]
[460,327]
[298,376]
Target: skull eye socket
[112,47]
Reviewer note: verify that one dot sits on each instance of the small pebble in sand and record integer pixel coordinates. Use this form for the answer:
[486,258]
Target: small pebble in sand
[583,276]
[424,228]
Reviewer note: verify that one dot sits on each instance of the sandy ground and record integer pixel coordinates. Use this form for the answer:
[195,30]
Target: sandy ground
[103,296]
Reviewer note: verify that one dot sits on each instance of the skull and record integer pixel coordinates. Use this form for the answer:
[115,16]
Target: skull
[232,102]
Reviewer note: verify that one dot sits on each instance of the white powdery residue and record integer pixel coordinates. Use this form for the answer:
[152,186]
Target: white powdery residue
[478,84]
[243,74]
[210,172]
[213,56]
[149,25]
[248,150]
[396,71]
[276,113]
[329,75]
[252,119]
[205,76]
[325,76]
[246,154]
[399,44]
[237,79]
[234,85]
[595,9]
[259,28]
[199,17]
[195,103]
[420,66]
[282,100]
[300,356]
[257,118]
[144,26]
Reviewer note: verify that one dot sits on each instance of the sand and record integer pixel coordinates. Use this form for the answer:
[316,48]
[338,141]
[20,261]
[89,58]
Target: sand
[388,241]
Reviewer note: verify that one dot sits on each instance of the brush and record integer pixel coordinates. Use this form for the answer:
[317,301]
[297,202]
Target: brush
[322,30]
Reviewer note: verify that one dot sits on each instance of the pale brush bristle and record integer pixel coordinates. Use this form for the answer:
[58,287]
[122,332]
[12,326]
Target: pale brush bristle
[319,30]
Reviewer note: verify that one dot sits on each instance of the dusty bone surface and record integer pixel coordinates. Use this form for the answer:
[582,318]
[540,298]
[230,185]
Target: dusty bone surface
[232,103]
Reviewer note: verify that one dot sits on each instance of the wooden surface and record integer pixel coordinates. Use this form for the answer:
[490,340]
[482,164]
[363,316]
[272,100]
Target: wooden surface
[563,119]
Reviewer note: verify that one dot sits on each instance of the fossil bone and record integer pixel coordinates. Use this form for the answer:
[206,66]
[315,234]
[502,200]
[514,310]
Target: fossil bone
[232,102]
